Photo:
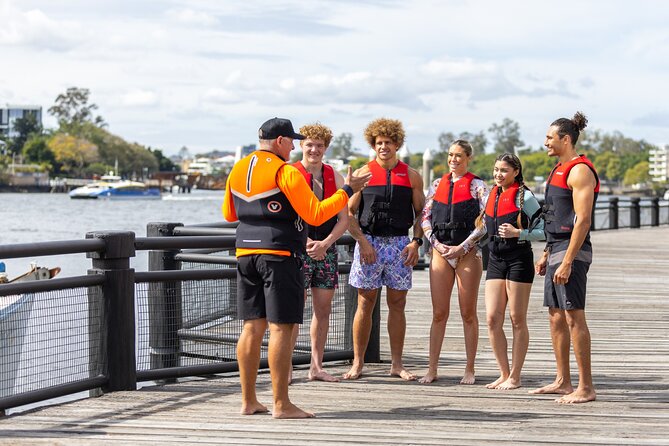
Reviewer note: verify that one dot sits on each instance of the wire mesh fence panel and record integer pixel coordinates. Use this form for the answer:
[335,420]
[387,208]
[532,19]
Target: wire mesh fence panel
[50,338]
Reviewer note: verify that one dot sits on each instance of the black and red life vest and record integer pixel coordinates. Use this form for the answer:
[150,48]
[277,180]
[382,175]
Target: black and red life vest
[329,188]
[386,205]
[502,208]
[454,210]
[559,214]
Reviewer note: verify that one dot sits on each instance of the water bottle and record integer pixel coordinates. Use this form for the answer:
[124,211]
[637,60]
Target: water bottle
[3,274]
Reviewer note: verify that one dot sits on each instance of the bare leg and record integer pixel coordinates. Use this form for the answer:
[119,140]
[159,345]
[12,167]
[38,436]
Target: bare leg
[362,327]
[279,355]
[248,356]
[320,324]
[519,298]
[442,278]
[468,274]
[580,335]
[293,342]
[495,304]
[397,325]
[560,338]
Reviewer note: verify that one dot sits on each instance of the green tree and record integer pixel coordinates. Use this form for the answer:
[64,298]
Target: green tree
[73,110]
[637,175]
[72,152]
[36,150]
[506,136]
[24,127]
[341,147]
[164,164]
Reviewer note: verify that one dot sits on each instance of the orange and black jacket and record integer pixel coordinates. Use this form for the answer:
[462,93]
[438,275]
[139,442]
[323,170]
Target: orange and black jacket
[272,202]
[454,210]
[502,208]
[559,214]
[386,204]
[329,188]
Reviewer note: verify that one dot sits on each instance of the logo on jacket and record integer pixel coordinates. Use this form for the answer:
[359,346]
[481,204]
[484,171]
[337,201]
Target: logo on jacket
[274,206]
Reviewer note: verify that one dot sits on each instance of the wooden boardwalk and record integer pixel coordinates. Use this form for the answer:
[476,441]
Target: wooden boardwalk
[628,314]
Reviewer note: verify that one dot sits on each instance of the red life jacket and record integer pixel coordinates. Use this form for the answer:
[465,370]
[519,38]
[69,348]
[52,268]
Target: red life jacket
[501,208]
[559,214]
[329,188]
[454,210]
[386,204]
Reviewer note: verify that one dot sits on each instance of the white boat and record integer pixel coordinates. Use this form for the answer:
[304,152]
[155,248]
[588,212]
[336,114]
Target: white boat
[115,188]
[15,314]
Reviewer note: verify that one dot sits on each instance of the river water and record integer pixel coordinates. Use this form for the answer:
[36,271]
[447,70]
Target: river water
[35,217]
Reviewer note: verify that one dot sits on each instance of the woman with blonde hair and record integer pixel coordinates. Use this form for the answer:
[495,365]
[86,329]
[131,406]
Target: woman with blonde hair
[452,207]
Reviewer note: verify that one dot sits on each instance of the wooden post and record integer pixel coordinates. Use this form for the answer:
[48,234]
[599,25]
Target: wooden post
[118,300]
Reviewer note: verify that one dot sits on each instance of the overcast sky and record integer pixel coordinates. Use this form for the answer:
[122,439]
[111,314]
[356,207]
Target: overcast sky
[205,74]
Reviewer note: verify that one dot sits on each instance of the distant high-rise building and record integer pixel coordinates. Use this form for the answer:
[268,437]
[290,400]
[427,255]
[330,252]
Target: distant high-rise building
[658,164]
[10,113]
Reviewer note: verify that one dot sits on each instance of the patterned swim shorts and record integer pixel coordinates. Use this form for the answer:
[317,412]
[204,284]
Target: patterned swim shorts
[388,270]
[321,273]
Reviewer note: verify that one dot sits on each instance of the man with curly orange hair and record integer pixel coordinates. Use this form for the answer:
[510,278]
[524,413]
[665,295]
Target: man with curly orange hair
[320,259]
[381,216]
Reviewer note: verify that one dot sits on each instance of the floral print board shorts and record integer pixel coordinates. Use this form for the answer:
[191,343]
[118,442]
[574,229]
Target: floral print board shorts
[321,273]
[388,270]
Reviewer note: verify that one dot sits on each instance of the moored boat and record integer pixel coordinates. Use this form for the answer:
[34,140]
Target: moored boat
[114,188]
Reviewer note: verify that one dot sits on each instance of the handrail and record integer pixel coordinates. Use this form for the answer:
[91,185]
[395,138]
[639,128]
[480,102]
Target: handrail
[191,274]
[19,250]
[185,242]
[38,286]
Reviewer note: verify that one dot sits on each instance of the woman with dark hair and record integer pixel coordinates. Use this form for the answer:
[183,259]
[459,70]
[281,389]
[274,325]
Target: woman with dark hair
[449,219]
[511,221]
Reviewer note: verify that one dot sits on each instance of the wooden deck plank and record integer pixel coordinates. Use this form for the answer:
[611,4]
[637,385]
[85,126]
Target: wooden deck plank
[628,311]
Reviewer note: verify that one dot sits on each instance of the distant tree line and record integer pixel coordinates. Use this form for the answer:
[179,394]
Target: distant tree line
[81,146]
[618,159]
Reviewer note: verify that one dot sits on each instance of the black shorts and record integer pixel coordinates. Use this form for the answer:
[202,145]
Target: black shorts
[570,296]
[270,287]
[518,267]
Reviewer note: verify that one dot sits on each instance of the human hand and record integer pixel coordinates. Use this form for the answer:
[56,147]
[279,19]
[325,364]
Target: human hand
[508,231]
[367,252]
[540,266]
[316,249]
[410,254]
[561,276]
[358,181]
[453,252]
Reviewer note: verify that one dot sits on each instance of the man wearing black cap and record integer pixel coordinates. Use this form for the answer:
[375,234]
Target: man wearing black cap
[272,202]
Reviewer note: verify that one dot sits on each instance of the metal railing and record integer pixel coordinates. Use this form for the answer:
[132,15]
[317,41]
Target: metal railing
[115,327]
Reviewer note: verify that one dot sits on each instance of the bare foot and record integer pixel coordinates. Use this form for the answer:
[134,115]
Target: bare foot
[253,408]
[495,383]
[322,375]
[577,397]
[468,378]
[509,384]
[353,374]
[429,377]
[402,373]
[553,388]
[291,411]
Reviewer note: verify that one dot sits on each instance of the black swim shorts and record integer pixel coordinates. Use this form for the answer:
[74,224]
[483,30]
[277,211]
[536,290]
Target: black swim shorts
[270,286]
[570,296]
[518,267]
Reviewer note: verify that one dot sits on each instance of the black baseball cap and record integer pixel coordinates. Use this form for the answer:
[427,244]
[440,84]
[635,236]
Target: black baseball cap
[275,127]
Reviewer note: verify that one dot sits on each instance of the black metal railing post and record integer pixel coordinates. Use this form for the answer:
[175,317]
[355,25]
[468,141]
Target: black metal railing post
[655,211]
[118,299]
[613,212]
[165,307]
[593,226]
[635,212]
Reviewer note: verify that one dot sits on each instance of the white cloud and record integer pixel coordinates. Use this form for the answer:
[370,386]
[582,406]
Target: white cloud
[139,98]
[191,17]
